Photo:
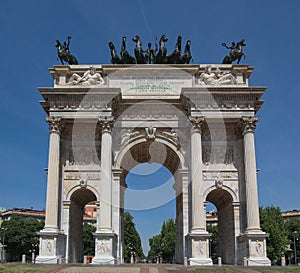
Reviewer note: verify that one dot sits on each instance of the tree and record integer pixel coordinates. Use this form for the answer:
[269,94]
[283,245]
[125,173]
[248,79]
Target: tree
[21,236]
[272,223]
[88,239]
[164,244]
[293,229]
[132,239]
[213,230]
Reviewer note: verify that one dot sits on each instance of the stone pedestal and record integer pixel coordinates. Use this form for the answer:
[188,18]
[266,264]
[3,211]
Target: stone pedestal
[254,248]
[199,249]
[105,248]
[52,246]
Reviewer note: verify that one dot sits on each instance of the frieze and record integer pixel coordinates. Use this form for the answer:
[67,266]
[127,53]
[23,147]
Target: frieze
[71,175]
[220,176]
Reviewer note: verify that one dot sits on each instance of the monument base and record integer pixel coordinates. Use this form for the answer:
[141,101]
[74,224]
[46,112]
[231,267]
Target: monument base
[105,248]
[199,247]
[253,250]
[52,247]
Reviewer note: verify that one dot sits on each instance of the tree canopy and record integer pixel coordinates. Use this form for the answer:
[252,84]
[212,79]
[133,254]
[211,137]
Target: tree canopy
[88,239]
[21,236]
[271,222]
[132,239]
[164,243]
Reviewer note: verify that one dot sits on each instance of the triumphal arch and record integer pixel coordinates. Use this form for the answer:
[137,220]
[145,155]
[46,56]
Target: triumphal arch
[196,120]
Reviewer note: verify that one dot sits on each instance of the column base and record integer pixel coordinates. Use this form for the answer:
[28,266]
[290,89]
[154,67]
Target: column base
[105,248]
[253,247]
[52,247]
[198,245]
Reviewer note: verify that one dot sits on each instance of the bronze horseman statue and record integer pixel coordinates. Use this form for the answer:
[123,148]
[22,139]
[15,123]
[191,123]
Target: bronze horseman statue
[236,52]
[63,52]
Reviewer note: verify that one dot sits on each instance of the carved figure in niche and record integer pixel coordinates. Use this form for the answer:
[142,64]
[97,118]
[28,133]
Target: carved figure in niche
[216,77]
[150,132]
[90,77]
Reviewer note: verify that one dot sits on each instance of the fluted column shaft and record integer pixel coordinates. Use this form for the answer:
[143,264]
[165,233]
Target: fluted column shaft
[51,221]
[252,206]
[198,215]
[106,175]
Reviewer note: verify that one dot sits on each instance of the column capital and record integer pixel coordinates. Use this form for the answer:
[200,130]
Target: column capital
[55,124]
[106,123]
[248,124]
[197,123]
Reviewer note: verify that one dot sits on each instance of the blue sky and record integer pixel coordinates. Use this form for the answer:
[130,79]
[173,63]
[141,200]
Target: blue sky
[28,33]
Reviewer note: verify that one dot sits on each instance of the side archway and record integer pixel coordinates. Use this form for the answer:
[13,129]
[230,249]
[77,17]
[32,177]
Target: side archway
[223,200]
[78,200]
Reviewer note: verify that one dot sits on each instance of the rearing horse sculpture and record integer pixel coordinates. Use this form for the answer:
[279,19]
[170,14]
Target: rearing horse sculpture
[236,52]
[63,52]
[125,56]
[138,51]
[161,57]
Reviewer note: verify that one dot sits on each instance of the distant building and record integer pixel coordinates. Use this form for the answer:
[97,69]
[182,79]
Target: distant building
[291,214]
[89,216]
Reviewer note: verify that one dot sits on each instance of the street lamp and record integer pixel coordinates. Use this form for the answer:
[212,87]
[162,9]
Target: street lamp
[3,246]
[295,247]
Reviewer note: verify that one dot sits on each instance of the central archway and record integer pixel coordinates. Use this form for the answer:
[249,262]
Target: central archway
[164,153]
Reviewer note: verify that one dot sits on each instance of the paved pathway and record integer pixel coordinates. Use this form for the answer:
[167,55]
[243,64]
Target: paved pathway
[138,268]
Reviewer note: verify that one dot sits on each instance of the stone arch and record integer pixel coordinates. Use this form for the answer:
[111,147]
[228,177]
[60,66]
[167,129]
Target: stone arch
[224,198]
[141,141]
[78,187]
[137,151]
[79,197]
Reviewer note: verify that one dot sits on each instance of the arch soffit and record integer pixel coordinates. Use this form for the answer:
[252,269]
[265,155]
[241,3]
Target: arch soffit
[224,187]
[140,140]
[78,187]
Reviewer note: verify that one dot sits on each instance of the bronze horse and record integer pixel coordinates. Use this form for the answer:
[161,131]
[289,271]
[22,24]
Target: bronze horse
[63,52]
[161,57]
[138,51]
[236,52]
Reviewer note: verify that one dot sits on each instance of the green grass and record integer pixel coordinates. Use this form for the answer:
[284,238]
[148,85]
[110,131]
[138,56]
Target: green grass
[278,270]
[212,270]
[241,270]
[24,268]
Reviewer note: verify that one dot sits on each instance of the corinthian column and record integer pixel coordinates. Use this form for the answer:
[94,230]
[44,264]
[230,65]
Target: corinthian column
[51,221]
[248,125]
[106,174]
[198,214]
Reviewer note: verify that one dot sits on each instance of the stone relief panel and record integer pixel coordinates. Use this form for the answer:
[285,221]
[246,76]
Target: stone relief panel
[218,155]
[220,175]
[257,248]
[89,77]
[84,156]
[199,248]
[214,76]
[48,247]
[104,247]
